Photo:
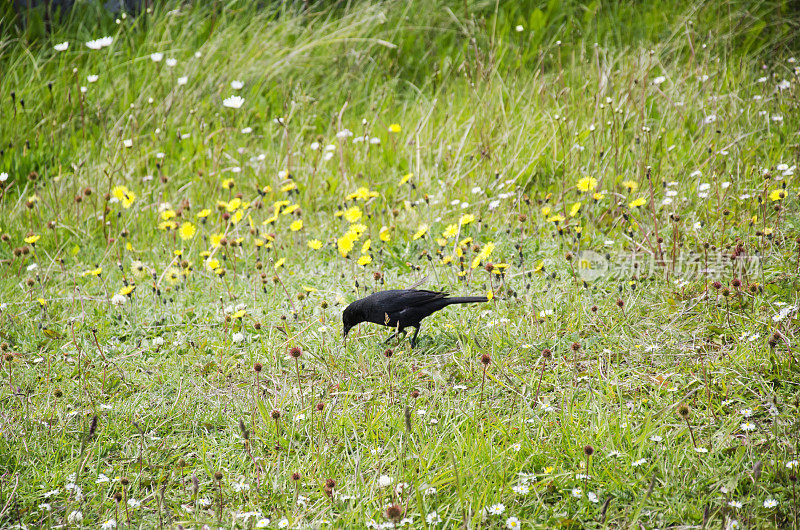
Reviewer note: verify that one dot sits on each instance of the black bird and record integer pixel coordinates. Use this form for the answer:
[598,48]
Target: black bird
[400,308]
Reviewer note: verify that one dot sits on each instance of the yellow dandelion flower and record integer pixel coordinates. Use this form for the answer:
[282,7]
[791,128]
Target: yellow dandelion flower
[167,225]
[93,272]
[384,234]
[269,220]
[237,216]
[173,275]
[166,215]
[345,243]
[637,202]
[464,242]
[216,239]
[466,219]
[365,246]
[42,301]
[187,231]
[314,244]
[258,242]
[297,225]
[777,195]
[127,290]
[32,239]
[446,260]
[353,214]
[202,214]
[442,242]
[573,211]
[233,205]
[365,260]
[405,178]
[290,209]
[277,205]
[279,263]
[587,184]
[539,267]
[289,187]
[228,184]
[490,295]
[450,231]
[557,218]
[123,195]
[421,231]
[546,211]
[358,229]
[239,314]
[362,194]
[631,185]
[212,264]
[395,128]
[598,196]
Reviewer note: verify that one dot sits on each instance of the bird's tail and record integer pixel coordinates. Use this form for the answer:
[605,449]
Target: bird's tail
[466,299]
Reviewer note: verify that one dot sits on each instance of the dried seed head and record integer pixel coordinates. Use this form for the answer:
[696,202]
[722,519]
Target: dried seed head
[257,367]
[717,285]
[118,496]
[415,394]
[296,476]
[388,353]
[124,481]
[683,410]
[320,406]
[547,353]
[575,346]
[736,282]
[620,303]
[218,476]
[330,483]
[588,450]
[394,512]
[276,414]
[296,351]
[486,359]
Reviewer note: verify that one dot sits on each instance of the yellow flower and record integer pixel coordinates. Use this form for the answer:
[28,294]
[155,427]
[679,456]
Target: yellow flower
[632,185]
[442,242]
[464,242]
[362,194]
[384,234]
[777,195]
[450,231]
[127,290]
[405,178]
[345,243]
[421,231]
[42,301]
[216,239]
[279,263]
[93,272]
[546,211]
[484,254]
[32,239]
[637,202]
[270,220]
[353,214]
[466,219]
[239,314]
[557,218]
[539,267]
[237,216]
[314,244]
[289,187]
[227,184]
[290,209]
[233,205]
[573,211]
[277,205]
[490,295]
[447,259]
[365,246]
[258,242]
[167,225]
[212,264]
[365,260]
[358,229]
[123,195]
[587,184]
[205,212]
[166,215]
[173,275]
[187,231]
[297,225]
[549,470]
[395,128]
[598,196]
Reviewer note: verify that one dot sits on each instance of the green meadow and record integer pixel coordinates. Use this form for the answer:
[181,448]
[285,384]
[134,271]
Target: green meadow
[191,195]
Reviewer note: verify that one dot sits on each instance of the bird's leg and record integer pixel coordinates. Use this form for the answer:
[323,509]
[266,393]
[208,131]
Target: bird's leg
[414,337]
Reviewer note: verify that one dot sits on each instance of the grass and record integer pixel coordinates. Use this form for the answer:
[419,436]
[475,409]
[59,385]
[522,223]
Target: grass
[593,167]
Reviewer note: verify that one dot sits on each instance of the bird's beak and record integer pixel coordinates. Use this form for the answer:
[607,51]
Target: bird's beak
[345,331]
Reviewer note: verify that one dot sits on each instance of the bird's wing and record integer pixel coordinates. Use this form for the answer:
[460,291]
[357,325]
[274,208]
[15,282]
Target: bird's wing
[410,298]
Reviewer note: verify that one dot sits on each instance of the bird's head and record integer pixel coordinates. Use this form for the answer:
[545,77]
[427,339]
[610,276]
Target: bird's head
[351,316]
